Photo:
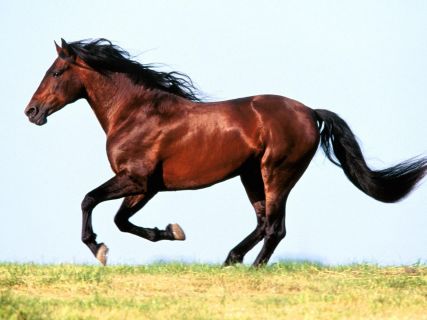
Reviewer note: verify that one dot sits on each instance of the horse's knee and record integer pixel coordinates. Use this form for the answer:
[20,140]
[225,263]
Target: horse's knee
[122,224]
[88,203]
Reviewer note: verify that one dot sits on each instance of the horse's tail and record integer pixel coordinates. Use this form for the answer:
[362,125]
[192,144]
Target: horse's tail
[388,185]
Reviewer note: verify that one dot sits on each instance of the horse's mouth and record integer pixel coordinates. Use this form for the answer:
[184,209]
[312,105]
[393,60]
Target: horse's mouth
[38,120]
[41,121]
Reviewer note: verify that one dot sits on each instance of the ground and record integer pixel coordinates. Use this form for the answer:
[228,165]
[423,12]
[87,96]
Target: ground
[285,290]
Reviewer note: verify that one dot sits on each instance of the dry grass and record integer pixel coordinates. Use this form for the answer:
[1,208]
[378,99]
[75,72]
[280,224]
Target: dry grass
[177,291]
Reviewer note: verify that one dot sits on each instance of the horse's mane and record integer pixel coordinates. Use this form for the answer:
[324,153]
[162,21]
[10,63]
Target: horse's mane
[104,56]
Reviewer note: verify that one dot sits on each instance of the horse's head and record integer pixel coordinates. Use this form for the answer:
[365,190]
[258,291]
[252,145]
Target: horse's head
[60,86]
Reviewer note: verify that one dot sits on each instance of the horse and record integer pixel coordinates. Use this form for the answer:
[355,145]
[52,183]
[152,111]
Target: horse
[162,136]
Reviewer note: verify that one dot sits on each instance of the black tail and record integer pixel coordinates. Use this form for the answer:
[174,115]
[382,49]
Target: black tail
[388,185]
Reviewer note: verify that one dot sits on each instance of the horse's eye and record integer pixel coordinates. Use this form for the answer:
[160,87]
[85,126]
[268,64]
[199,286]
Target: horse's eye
[56,74]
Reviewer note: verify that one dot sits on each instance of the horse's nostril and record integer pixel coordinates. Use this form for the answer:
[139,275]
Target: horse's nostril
[31,112]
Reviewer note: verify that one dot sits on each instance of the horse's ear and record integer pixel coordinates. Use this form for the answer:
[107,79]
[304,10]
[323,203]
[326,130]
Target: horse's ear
[58,48]
[66,52]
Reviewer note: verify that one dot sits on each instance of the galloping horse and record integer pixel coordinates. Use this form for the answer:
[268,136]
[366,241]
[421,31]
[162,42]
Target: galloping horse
[161,137]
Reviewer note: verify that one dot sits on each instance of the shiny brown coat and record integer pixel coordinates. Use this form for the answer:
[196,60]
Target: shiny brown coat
[159,141]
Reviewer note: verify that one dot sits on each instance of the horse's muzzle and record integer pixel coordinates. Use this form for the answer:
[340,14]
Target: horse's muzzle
[35,115]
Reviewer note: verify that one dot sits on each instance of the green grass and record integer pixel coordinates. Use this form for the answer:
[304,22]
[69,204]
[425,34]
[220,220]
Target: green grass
[181,291]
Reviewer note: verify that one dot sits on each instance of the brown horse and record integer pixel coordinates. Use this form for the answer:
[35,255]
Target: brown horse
[161,137]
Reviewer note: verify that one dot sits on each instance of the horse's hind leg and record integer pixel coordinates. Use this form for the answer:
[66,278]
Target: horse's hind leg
[278,184]
[254,187]
[275,229]
[130,206]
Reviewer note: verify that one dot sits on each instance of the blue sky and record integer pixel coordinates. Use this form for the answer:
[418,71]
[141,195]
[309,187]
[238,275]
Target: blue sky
[364,60]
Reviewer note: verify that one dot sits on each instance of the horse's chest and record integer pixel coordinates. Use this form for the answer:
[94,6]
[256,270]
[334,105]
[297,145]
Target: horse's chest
[132,155]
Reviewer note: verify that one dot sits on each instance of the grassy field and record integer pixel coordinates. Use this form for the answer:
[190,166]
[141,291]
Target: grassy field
[179,291]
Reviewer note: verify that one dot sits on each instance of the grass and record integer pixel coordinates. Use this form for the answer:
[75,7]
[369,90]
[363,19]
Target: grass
[181,291]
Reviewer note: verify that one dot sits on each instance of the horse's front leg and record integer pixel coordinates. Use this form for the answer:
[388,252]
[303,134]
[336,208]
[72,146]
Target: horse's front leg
[130,206]
[122,185]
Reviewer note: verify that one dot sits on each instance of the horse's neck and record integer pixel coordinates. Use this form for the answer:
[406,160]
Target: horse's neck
[107,94]
[111,96]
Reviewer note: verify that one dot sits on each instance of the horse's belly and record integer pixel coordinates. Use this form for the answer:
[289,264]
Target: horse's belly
[197,168]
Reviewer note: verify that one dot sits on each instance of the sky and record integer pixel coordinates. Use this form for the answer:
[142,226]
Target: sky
[365,60]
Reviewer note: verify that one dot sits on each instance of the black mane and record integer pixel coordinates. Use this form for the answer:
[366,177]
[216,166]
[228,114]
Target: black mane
[104,56]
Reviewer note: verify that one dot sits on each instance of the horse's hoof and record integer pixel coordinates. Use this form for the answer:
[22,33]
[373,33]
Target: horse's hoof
[177,232]
[102,254]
